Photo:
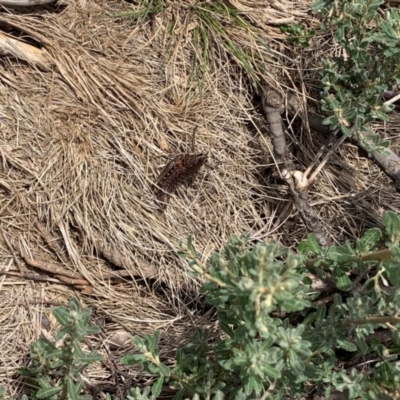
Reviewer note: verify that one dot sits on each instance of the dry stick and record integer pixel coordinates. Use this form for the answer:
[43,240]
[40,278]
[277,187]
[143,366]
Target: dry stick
[28,276]
[77,283]
[48,267]
[392,97]
[26,52]
[312,178]
[8,80]
[388,162]
[131,268]
[60,273]
[272,105]
[25,3]
[377,256]
[318,156]
[71,278]
[73,282]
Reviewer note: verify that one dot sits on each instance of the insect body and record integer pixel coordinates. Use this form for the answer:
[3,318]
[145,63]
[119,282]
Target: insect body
[181,169]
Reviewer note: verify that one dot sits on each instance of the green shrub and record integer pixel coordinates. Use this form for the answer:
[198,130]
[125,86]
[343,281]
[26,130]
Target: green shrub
[55,371]
[276,338]
[353,83]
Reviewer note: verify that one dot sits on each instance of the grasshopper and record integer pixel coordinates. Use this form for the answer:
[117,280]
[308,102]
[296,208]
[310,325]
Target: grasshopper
[181,169]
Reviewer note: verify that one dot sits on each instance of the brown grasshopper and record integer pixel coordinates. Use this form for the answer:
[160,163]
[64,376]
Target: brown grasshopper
[183,168]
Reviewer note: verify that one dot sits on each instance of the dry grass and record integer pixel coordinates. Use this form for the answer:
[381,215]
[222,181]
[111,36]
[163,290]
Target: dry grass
[82,143]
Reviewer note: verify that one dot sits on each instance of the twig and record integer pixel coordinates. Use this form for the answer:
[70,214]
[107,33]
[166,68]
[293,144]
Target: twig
[273,106]
[79,284]
[86,289]
[114,256]
[70,278]
[308,216]
[384,319]
[47,266]
[312,178]
[32,277]
[318,155]
[72,282]
[377,256]
[393,99]
[388,161]
[25,3]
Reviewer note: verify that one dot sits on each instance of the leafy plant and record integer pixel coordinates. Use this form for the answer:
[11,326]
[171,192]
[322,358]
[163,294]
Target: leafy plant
[298,34]
[276,337]
[353,83]
[56,369]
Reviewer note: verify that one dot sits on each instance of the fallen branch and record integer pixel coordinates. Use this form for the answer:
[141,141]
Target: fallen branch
[80,284]
[70,278]
[48,266]
[31,277]
[25,3]
[73,282]
[108,252]
[273,106]
[388,162]
[26,52]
